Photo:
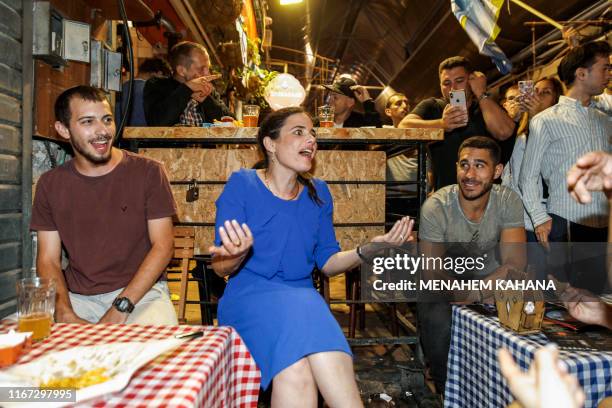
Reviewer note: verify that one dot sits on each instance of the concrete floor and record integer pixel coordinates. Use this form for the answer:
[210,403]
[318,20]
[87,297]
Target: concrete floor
[379,370]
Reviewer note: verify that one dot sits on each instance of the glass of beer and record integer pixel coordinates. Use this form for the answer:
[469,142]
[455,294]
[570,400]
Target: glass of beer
[35,306]
[250,115]
[325,114]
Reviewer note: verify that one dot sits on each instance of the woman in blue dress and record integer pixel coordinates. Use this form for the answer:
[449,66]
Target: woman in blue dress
[273,226]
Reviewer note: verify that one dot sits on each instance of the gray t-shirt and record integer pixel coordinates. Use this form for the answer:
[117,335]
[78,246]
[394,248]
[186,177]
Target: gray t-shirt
[442,220]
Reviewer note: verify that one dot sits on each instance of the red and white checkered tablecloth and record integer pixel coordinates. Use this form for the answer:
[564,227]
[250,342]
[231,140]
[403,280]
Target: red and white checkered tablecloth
[215,370]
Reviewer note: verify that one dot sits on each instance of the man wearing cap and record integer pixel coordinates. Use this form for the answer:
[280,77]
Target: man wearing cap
[343,94]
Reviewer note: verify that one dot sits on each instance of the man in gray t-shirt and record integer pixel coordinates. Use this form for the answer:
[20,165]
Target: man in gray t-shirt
[475,212]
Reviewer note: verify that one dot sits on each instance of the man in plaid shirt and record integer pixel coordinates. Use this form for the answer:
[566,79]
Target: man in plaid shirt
[188,97]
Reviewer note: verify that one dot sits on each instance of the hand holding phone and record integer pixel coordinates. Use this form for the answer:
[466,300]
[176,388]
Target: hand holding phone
[526,88]
[457,98]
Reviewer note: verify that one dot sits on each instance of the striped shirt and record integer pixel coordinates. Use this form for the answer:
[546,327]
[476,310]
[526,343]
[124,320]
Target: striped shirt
[558,136]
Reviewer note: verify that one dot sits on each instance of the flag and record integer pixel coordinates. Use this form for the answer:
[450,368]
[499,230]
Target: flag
[479,19]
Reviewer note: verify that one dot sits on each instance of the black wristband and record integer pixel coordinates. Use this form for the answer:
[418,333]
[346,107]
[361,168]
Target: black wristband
[360,255]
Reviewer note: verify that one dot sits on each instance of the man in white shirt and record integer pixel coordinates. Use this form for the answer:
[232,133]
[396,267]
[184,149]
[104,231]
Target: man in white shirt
[558,136]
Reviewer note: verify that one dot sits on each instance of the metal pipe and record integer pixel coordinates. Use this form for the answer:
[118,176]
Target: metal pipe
[554,35]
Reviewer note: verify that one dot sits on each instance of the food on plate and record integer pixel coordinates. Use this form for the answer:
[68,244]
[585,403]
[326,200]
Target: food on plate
[87,378]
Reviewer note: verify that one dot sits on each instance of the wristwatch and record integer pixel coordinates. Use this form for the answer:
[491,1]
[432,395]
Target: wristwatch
[123,304]
[484,95]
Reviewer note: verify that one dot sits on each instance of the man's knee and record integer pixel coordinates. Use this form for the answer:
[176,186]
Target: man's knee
[155,308]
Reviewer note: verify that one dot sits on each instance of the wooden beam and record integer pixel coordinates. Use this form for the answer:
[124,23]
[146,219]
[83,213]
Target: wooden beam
[189,17]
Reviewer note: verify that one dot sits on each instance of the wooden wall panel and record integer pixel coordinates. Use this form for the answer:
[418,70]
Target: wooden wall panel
[11,155]
[353,203]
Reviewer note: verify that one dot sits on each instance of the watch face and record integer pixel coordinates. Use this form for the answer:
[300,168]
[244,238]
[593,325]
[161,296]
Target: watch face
[123,304]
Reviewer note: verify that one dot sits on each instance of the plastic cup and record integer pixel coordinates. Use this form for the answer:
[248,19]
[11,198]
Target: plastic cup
[35,306]
[325,114]
[250,115]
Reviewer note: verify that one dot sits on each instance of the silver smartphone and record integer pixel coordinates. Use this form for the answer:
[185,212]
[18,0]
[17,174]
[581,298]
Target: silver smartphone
[457,98]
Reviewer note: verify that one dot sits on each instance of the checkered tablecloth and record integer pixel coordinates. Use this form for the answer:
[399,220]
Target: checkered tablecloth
[474,378]
[215,370]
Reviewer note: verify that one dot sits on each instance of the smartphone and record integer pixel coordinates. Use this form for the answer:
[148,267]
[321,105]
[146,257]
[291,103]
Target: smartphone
[526,87]
[457,98]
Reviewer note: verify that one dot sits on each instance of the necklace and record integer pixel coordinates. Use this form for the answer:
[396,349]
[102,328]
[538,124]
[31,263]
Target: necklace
[297,190]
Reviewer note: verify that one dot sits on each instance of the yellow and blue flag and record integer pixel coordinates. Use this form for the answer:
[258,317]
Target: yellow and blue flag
[479,19]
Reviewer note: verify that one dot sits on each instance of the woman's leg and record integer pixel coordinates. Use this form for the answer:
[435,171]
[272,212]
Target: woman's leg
[333,372]
[295,387]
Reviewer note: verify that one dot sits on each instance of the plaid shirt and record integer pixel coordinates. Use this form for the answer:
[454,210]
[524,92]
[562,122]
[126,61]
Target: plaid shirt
[191,116]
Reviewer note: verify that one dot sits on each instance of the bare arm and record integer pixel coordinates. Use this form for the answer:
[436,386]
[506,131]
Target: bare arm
[415,121]
[48,265]
[512,247]
[162,245]
[346,260]
[498,123]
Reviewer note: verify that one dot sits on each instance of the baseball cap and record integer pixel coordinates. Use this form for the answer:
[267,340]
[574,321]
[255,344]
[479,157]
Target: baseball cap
[342,86]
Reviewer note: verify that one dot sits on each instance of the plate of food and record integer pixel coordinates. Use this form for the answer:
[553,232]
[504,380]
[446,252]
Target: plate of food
[92,370]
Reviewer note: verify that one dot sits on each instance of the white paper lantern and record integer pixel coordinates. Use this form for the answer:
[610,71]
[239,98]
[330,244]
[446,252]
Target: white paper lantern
[284,91]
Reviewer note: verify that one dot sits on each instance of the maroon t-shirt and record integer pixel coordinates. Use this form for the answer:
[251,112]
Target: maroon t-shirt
[102,221]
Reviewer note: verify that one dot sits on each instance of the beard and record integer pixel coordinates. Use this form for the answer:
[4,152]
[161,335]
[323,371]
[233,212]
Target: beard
[81,147]
[471,196]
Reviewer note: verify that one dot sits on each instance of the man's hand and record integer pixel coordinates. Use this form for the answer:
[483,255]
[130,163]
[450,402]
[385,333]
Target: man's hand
[68,316]
[478,83]
[112,315]
[592,172]
[542,231]
[361,93]
[546,384]
[453,117]
[201,86]
[571,37]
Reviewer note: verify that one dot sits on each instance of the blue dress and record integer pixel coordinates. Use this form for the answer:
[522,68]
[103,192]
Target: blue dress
[271,300]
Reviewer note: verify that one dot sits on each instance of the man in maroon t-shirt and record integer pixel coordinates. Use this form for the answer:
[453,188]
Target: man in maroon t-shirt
[111,210]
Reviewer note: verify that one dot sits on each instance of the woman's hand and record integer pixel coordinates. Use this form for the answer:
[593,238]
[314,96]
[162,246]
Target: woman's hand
[400,233]
[236,240]
[531,103]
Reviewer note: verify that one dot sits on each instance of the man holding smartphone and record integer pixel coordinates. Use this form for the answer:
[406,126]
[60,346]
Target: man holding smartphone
[481,116]
[188,97]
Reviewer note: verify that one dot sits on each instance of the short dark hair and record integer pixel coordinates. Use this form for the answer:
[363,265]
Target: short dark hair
[154,65]
[180,54]
[395,95]
[482,142]
[84,92]
[454,62]
[583,56]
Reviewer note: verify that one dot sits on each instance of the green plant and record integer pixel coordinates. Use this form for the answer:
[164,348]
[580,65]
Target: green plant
[254,81]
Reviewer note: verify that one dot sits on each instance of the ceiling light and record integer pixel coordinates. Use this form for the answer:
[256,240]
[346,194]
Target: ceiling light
[285,2]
